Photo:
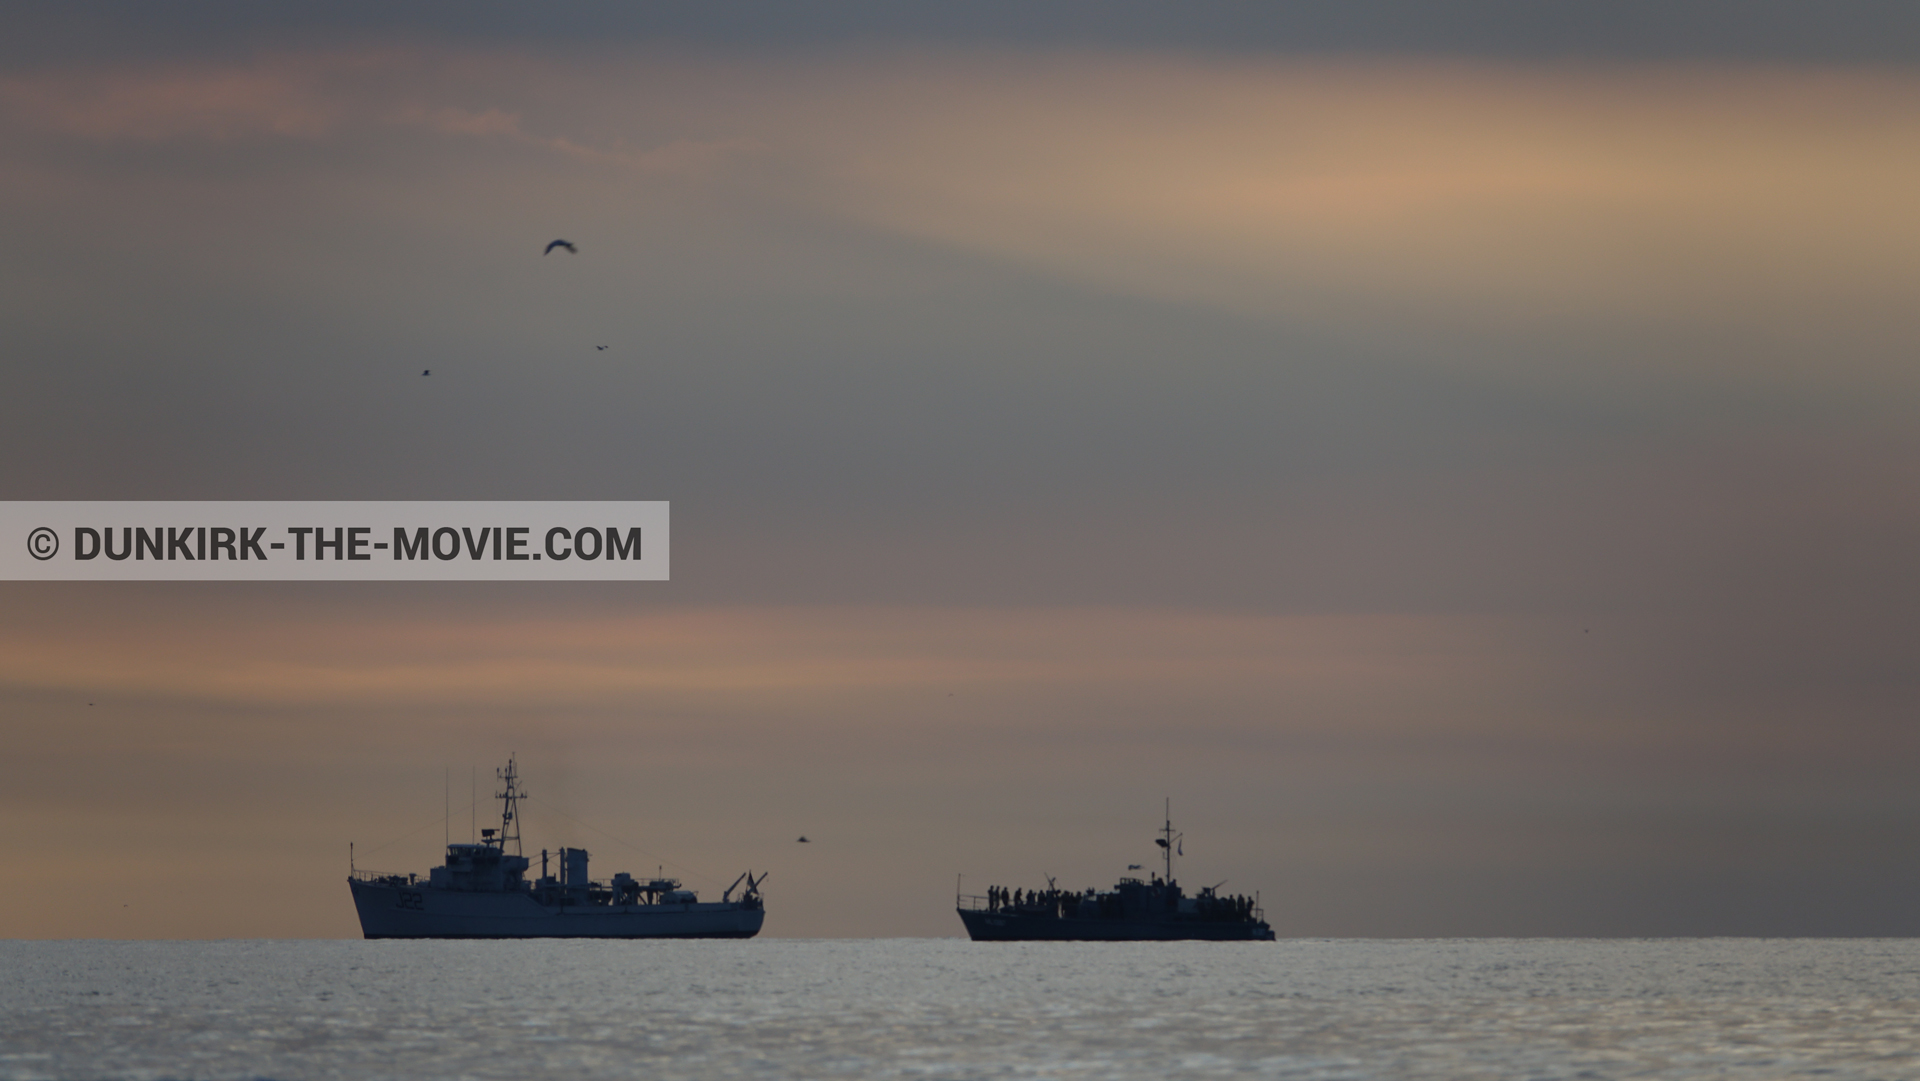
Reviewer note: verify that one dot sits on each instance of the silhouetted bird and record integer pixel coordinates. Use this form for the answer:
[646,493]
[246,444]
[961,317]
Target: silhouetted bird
[567,244]
[598,347]
[429,371]
[804,841]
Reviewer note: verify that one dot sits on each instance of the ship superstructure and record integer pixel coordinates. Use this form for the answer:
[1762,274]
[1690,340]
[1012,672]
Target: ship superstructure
[482,891]
[1132,911]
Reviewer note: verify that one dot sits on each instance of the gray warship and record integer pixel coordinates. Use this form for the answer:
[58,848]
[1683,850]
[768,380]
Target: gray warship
[1133,911]
[482,891]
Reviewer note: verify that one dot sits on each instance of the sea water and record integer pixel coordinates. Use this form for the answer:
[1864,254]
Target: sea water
[932,1008]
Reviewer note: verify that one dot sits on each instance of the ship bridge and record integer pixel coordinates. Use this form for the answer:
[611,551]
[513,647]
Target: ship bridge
[485,867]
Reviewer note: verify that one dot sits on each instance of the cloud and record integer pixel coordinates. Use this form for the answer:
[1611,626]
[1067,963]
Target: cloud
[252,656]
[1594,222]
[1629,30]
[1329,760]
[1402,202]
[286,96]
[679,156]
[310,96]
[1477,463]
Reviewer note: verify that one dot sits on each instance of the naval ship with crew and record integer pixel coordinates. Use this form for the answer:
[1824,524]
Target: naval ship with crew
[482,891]
[1133,911]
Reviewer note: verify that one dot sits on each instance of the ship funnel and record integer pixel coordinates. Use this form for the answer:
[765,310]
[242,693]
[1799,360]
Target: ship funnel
[573,868]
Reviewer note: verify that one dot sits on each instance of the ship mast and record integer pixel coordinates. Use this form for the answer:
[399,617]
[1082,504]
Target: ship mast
[1167,843]
[510,813]
[1168,840]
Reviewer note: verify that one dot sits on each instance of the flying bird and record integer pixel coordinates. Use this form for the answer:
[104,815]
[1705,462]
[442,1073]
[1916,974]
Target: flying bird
[803,840]
[429,371]
[567,244]
[599,347]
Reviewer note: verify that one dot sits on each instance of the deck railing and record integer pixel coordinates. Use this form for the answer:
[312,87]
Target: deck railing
[385,878]
[979,902]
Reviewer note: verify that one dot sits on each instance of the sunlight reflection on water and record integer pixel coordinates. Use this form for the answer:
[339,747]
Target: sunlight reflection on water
[939,1008]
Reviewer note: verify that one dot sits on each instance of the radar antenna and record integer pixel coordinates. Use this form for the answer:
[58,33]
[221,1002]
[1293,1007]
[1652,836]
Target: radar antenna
[510,797]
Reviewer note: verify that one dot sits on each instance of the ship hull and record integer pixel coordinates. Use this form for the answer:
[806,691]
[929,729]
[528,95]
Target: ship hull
[415,911]
[1002,926]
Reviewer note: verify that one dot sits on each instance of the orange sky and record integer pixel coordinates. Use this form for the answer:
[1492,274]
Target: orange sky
[1477,492]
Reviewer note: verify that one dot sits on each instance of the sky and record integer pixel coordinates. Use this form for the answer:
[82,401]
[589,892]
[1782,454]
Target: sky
[1463,456]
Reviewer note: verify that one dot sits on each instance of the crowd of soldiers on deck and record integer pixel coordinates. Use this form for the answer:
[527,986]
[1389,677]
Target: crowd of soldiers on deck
[1059,903]
[1234,907]
[1048,902]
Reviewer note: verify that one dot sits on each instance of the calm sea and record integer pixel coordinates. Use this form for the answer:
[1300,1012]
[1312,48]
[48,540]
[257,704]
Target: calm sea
[947,1009]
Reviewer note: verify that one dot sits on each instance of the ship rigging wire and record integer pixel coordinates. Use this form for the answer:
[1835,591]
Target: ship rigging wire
[688,871]
[473,806]
[424,825]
